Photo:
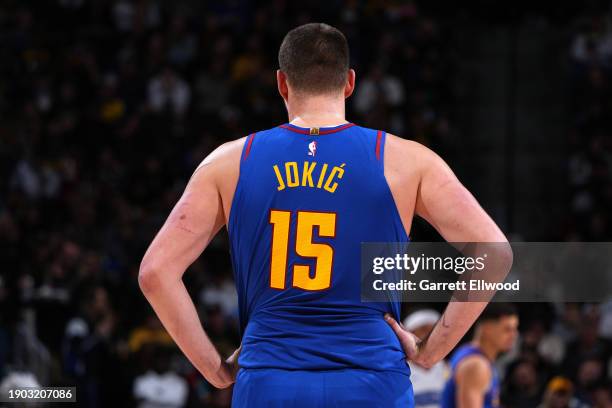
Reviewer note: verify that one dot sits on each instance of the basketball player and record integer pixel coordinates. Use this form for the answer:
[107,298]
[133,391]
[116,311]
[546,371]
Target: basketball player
[297,200]
[474,382]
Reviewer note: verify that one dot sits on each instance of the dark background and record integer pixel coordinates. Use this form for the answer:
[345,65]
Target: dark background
[106,108]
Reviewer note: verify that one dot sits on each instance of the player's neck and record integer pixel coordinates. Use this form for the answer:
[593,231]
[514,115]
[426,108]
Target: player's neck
[316,111]
[488,349]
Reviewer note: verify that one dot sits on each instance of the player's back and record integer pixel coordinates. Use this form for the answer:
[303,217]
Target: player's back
[305,201]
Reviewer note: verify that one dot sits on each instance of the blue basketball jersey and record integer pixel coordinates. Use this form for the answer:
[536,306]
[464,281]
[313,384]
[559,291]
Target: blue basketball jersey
[305,200]
[449,394]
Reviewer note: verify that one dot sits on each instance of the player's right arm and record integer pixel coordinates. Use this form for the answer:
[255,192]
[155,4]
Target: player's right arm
[441,199]
[472,378]
[199,214]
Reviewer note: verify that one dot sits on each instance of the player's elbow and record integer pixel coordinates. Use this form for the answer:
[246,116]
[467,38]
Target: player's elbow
[499,261]
[505,255]
[149,277]
[509,256]
[158,273]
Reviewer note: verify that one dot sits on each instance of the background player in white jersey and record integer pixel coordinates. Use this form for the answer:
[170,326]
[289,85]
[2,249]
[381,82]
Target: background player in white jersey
[427,384]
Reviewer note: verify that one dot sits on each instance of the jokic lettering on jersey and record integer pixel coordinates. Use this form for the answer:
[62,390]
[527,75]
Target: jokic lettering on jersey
[309,174]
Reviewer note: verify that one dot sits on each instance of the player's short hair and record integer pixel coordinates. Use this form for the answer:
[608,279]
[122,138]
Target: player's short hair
[315,58]
[497,310]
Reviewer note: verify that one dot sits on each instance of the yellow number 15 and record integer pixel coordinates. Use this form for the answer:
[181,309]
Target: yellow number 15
[304,247]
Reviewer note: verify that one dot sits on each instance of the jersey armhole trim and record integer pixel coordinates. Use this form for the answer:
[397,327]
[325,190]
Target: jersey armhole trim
[379,151]
[247,149]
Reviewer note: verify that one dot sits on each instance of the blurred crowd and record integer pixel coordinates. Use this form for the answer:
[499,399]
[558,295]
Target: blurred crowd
[108,106]
[590,164]
[107,109]
[562,358]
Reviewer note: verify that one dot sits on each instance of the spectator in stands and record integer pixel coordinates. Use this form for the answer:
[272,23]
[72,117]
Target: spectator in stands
[160,386]
[559,394]
[522,386]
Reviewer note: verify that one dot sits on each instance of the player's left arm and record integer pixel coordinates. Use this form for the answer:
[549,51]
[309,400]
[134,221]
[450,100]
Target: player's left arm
[452,210]
[194,221]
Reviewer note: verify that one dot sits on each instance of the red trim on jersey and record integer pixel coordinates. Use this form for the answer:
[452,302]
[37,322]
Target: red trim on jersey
[297,130]
[306,131]
[248,148]
[378,138]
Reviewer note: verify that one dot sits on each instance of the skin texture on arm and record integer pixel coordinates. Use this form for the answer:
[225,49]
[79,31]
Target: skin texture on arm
[197,217]
[423,184]
[472,378]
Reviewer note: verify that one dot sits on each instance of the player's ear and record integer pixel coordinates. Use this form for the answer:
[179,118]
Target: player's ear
[350,83]
[281,82]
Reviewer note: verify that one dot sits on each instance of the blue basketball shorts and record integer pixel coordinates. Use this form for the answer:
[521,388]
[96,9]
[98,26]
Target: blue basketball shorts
[351,388]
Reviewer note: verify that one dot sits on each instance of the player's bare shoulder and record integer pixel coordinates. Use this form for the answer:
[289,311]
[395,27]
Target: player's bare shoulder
[474,370]
[225,157]
[412,164]
[222,167]
[404,163]
[406,156]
